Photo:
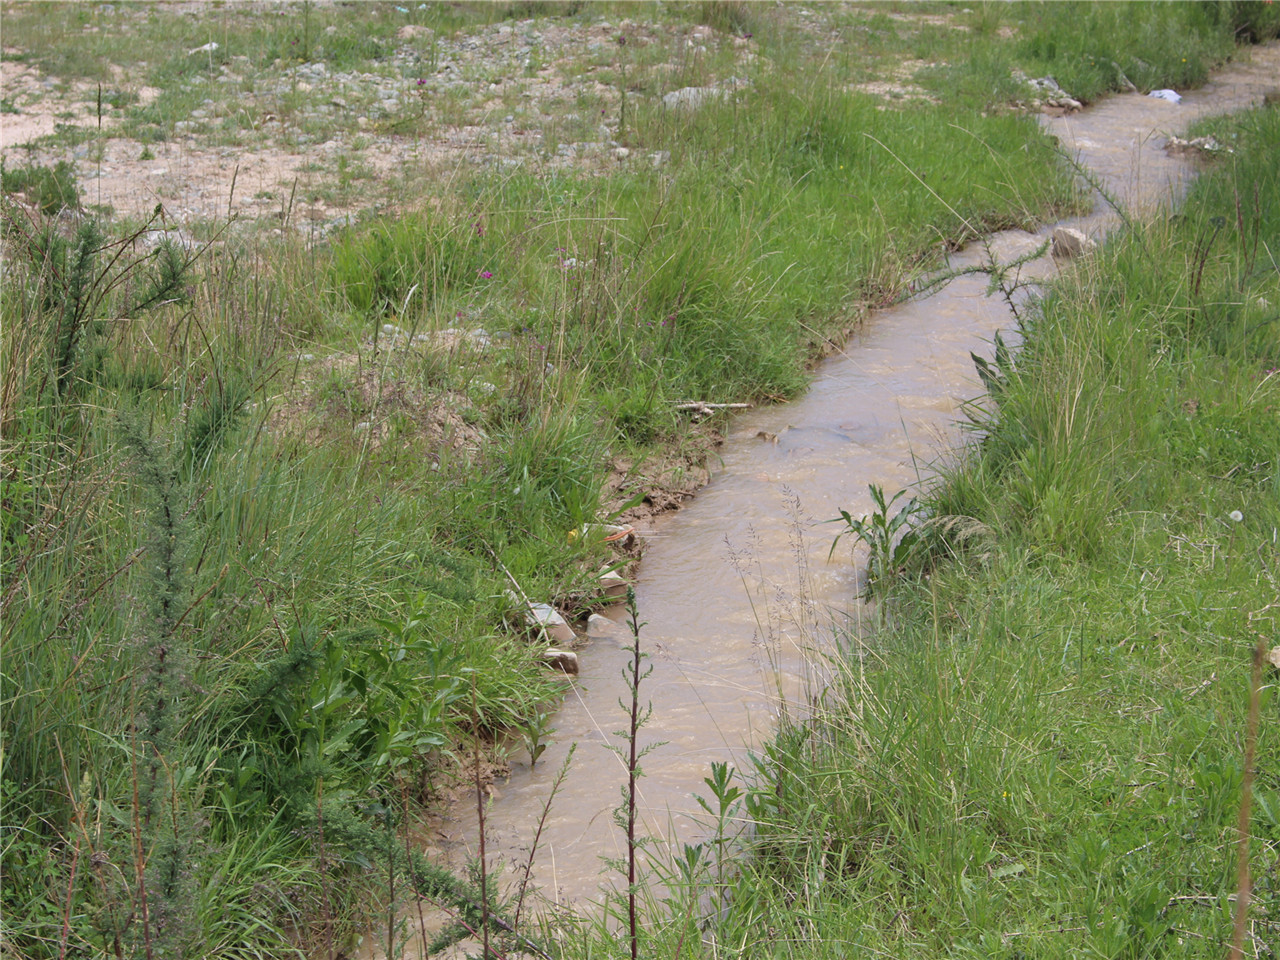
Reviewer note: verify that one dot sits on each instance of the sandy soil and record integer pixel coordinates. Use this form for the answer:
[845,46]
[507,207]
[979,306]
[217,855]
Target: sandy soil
[507,95]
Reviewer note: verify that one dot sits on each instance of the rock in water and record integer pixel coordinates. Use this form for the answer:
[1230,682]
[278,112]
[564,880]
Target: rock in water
[613,585]
[1069,242]
[563,660]
[601,628]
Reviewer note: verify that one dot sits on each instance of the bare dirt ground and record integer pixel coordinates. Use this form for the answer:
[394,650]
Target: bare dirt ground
[25,88]
[311,145]
[527,113]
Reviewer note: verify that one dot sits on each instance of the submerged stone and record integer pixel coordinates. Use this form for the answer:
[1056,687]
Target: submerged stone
[563,660]
[1069,242]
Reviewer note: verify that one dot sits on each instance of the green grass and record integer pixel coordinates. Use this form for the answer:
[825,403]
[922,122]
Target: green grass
[50,189]
[1088,48]
[292,563]
[792,211]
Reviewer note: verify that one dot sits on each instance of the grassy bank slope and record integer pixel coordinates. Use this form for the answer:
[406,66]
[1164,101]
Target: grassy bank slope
[1042,752]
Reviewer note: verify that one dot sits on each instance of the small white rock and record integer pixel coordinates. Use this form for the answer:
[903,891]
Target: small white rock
[1069,242]
[547,617]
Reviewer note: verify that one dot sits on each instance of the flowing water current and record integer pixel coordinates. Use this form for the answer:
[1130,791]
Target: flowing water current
[735,591]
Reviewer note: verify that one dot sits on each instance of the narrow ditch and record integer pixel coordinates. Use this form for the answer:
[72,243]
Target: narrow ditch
[735,591]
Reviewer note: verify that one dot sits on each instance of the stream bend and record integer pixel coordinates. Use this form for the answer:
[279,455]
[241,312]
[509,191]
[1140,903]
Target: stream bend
[735,590]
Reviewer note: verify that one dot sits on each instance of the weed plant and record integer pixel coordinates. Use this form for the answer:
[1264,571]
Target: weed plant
[630,752]
[890,538]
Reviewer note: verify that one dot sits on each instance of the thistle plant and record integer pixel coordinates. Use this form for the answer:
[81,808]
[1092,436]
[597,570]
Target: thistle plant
[162,837]
[891,538]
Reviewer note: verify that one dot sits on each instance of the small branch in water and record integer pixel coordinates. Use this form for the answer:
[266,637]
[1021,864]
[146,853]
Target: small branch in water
[702,407]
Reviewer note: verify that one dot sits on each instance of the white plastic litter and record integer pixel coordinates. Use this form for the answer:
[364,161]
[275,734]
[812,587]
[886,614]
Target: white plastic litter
[1171,95]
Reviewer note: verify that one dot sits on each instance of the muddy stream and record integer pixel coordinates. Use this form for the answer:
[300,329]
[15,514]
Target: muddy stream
[735,590]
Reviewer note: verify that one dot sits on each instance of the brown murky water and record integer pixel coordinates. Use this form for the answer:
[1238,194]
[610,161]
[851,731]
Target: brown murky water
[735,590]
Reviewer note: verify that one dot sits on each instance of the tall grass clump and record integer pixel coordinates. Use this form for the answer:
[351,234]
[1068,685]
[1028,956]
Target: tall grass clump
[50,189]
[374,267]
[207,636]
[1044,753]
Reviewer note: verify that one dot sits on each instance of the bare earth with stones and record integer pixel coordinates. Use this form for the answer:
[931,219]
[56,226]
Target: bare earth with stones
[508,121]
[520,94]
